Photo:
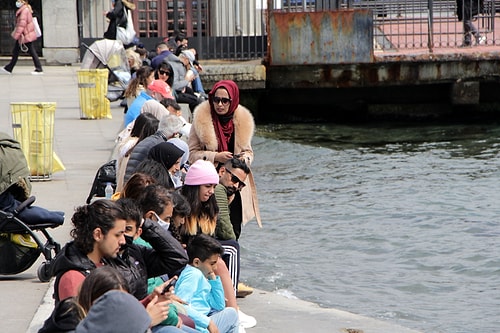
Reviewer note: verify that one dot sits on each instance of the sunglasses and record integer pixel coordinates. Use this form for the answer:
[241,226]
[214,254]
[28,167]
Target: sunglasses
[235,180]
[225,101]
[164,72]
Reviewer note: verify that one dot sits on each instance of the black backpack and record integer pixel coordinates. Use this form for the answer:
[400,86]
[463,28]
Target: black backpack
[105,174]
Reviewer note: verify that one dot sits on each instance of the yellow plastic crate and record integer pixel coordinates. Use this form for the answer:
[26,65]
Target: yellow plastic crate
[33,127]
[93,88]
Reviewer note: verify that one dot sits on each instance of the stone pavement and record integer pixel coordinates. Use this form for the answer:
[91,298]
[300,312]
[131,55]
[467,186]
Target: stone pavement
[84,145]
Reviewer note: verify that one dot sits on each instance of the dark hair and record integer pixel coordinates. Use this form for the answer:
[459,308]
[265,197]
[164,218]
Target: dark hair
[155,170]
[166,102]
[164,65]
[99,214]
[236,163]
[180,36]
[198,208]
[181,205]
[203,247]
[136,184]
[131,210]
[97,283]
[155,198]
[200,211]
[145,125]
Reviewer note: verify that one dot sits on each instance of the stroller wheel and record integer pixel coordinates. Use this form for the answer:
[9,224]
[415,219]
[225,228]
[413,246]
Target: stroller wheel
[43,272]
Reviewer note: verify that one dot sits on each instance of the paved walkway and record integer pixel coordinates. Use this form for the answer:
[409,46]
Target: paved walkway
[84,145]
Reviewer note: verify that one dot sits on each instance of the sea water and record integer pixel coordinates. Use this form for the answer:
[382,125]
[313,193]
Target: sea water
[394,222]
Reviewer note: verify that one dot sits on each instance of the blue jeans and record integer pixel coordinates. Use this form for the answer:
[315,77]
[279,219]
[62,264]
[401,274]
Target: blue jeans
[196,84]
[226,320]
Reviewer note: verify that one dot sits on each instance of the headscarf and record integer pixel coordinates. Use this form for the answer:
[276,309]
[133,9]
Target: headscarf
[223,125]
[166,154]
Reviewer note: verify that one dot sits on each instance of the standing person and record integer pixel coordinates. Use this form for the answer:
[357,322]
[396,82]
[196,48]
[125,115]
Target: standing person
[99,232]
[24,34]
[117,17]
[467,11]
[222,129]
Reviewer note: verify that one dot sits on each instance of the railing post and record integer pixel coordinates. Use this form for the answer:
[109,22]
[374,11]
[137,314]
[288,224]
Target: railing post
[430,28]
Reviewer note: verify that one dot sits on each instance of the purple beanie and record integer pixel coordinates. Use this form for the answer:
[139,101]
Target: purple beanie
[201,172]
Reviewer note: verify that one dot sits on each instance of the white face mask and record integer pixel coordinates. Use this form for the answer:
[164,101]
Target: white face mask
[19,4]
[163,224]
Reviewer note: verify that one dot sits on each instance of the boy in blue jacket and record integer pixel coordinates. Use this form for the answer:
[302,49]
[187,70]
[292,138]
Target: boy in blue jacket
[202,289]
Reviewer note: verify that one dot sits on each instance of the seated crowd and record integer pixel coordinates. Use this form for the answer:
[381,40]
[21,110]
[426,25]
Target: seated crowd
[169,235]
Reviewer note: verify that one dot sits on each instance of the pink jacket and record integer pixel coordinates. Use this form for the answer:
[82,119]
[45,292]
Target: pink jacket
[25,28]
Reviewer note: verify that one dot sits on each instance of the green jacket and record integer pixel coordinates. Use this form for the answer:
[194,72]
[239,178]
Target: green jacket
[14,171]
[224,229]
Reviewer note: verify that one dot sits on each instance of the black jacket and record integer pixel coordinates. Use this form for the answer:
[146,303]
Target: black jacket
[116,18]
[140,152]
[138,263]
[69,258]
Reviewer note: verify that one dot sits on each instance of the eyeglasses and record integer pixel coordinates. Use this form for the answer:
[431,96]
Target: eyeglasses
[235,180]
[225,101]
[164,72]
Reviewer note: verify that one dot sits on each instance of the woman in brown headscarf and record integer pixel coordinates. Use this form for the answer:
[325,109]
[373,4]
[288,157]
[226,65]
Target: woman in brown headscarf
[221,129]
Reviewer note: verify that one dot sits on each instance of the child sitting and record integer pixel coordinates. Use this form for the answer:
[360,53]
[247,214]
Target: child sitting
[202,289]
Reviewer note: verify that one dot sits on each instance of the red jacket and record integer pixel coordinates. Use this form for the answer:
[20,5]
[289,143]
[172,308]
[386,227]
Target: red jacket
[25,28]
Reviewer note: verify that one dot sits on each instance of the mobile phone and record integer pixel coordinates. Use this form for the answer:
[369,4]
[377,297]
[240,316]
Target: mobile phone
[168,286]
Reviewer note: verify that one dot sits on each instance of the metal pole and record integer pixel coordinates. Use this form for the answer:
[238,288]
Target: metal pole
[430,26]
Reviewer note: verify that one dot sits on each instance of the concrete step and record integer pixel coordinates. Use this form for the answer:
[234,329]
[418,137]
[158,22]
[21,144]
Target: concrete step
[21,61]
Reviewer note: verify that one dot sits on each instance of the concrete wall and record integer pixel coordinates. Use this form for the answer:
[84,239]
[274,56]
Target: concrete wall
[60,32]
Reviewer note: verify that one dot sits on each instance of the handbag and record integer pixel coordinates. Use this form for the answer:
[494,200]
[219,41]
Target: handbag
[126,35]
[38,31]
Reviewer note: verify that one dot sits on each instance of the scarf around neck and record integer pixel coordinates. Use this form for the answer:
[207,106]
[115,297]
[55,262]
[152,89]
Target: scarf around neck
[224,127]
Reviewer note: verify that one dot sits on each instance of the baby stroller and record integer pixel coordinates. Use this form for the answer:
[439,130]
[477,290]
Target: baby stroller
[20,222]
[109,54]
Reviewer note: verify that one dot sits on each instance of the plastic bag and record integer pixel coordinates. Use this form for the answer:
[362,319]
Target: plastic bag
[126,35]
[38,31]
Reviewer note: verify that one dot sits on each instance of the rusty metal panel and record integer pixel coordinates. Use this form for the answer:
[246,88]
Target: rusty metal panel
[329,37]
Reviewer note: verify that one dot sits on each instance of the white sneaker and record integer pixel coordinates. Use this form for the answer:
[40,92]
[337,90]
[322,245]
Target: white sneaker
[241,329]
[4,71]
[36,73]
[246,321]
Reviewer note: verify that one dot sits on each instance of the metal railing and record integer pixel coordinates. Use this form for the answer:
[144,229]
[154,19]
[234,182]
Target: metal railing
[416,24]
[398,24]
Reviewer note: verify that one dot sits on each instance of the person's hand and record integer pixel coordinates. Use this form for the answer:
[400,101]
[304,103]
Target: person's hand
[223,156]
[211,276]
[161,293]
[177,299]
[189,76]
[157,311]
[198,68]
[212,328]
